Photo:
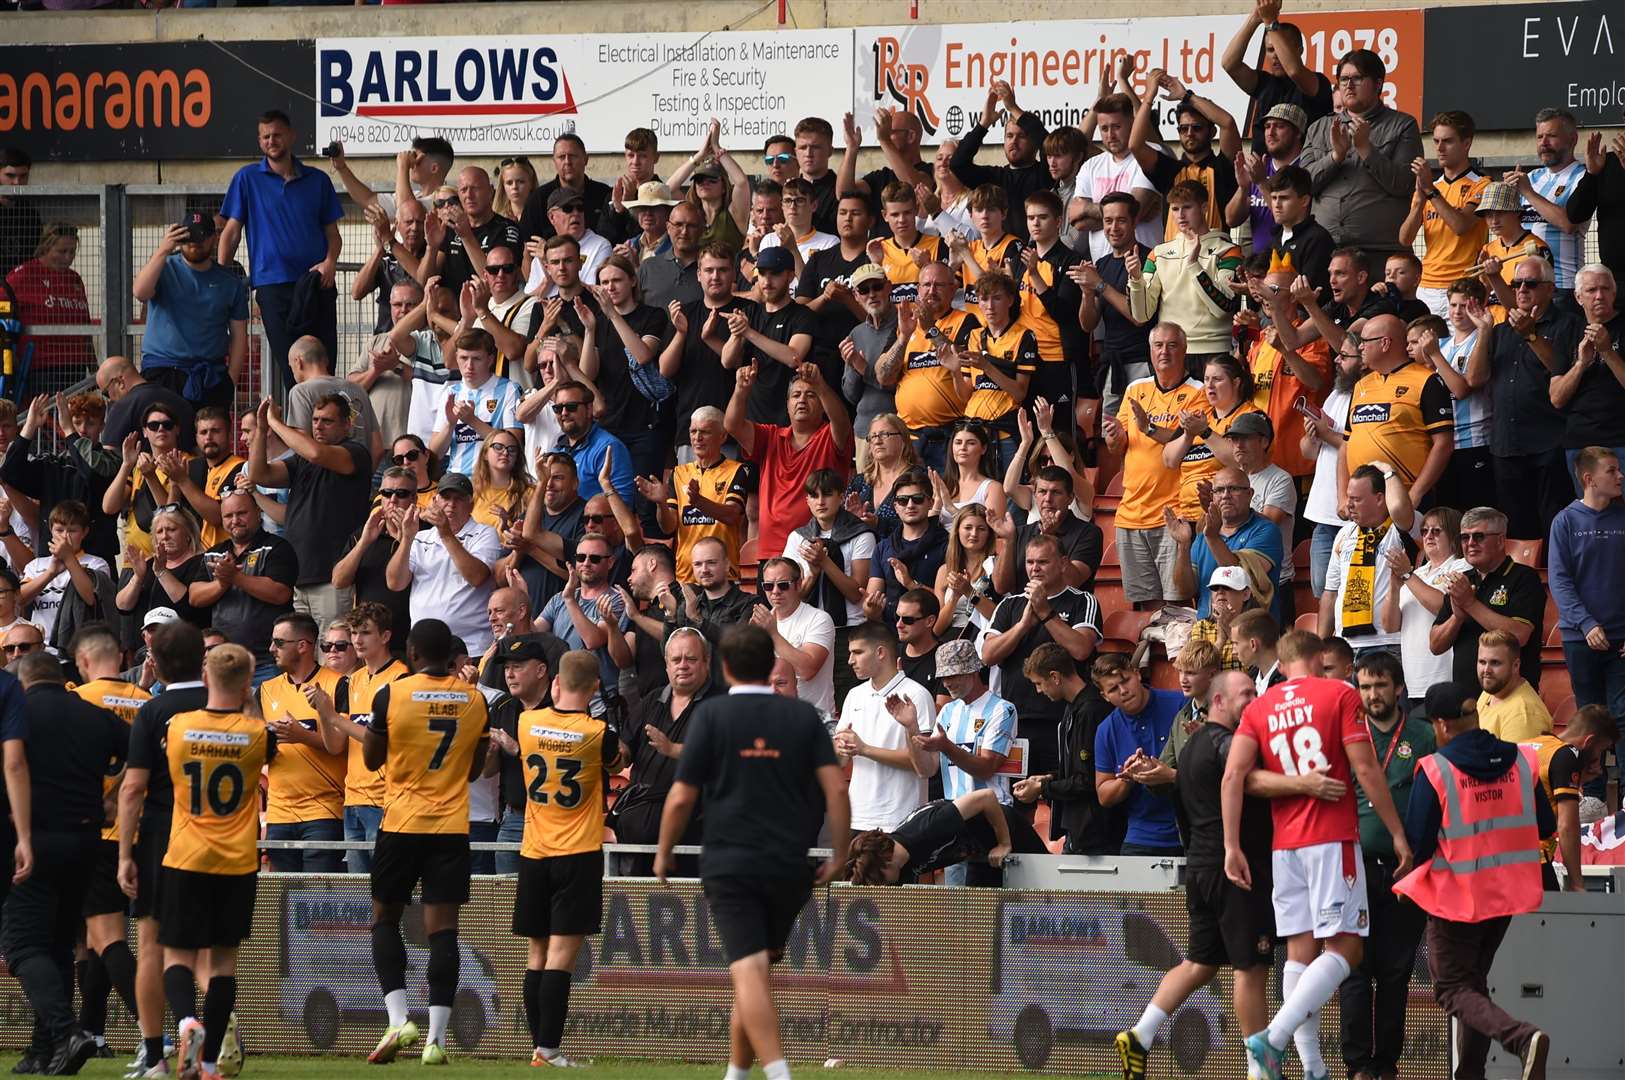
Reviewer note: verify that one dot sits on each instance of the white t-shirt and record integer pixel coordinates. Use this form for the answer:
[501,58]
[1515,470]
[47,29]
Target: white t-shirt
[1274,486]
[1099,177]
[1323,494]
[439,590]
[861,546]
[43,611]
[19,525]
[1422,668]
[813,241]
[483,794]
[882,796]
[1337,579]
[542,433]
[804,626]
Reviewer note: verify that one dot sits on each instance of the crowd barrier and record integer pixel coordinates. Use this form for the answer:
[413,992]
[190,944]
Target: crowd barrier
[918,977]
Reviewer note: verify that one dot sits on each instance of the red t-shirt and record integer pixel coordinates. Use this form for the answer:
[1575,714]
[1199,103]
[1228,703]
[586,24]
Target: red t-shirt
[1303,724]
[47,296]
[782,473]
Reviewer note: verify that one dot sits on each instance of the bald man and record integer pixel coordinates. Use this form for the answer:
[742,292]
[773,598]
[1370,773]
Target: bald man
[471,228]
[132,396]
[1402,417]
[1231,535]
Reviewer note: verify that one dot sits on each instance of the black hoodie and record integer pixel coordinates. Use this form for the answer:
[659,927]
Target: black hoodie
[1481,756]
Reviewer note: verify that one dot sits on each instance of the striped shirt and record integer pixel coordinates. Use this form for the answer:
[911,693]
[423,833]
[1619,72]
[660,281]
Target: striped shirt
[1472,411]
[1557,187]
[989,723]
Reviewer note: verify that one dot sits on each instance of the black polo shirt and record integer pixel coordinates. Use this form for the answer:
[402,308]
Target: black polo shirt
[1595,416]
[240,617]
[72,746]
[702,380]
[1522,419]
[1082,541]
[1512,590]
[324,509]
[1038,715]
[456,267]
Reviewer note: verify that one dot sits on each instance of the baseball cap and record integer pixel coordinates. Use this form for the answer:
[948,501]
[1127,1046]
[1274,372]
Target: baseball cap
[651,193]
[158,616]
[564,198]
[710,168]
[957,657]
[775,260]
[1252,423]
[1444,701]
[525,647]
[1229,577]
[866,272]
[1499,196]
[1291,114]
[456,484]
[197,224]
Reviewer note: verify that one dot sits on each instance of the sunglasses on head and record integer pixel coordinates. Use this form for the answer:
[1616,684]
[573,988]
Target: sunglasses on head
[505,162]
[406,458]
[160,425]
[782,158]
[335,646]
[775,586]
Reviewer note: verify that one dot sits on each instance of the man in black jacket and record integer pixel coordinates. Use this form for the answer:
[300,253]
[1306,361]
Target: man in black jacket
[1024,135]
[72,745]
[713,602]
[1075,811]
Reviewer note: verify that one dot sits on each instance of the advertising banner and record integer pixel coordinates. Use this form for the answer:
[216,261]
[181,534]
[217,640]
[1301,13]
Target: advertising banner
[917,977]
[1395,36]
[173,99]
[491,95]
[941,74]
[1502,63]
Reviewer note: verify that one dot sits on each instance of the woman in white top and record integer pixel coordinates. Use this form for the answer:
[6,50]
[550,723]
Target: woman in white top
[965,579]
[948,209]
[1415,595]
[964,480]
[1046,447]
[555,361]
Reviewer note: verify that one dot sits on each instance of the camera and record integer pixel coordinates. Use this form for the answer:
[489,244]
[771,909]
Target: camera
[332,150]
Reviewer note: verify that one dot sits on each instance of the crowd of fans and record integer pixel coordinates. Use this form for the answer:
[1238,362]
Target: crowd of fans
[1011,462]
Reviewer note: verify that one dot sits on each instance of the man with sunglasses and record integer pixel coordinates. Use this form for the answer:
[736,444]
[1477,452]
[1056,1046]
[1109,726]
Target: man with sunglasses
[1517,360]
[861,351]
[586,442]
[448,566]
[305,785]
[1197,120]
[1024,134]
[672,276]
[501,309]
[568,215]
[590,613]
[1495,593]
[911,554]
[328,477]
[1401,413]
[130,398]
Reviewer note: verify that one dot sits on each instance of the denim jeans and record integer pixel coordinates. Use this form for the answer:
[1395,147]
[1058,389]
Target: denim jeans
[1598,678]
[482,832]
[361,823]
[511,831]
[307,862]
[931,443]
[1320,555]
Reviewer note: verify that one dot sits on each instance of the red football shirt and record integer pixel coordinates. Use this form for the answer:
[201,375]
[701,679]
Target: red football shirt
[1300,725]
[782,473]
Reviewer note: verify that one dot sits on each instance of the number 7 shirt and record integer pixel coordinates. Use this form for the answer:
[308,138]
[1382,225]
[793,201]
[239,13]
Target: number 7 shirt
[1302,725]
[434,724]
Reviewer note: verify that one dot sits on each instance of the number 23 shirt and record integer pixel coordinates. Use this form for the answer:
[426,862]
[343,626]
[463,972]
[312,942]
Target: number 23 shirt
[562,753]
[1302,725]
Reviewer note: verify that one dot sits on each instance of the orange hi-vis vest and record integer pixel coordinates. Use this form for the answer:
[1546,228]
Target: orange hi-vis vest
[1488,862]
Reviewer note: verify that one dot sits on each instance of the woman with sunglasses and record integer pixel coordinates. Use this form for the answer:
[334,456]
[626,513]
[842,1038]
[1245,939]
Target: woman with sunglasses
[365,563]
[501,481]
[891,454]
[411,453]
[1042,447]
[338,651]
[161,578]
[515,180]
[720,190]
[1415,596]
[141,485]
[964,480]
[1200,450]
[965,582]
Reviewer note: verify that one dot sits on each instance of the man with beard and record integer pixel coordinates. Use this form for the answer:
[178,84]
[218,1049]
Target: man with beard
[712,600]
[196,340]
[553,518]
[590,614]
[586,442]
[1024,134]
[1509,707]
[1283,127]
[928,394]
[692,359]
[1115,170]
[1546,192]
[204,480]
[1198,120]
[1374,995]
[898,133]
[775,337]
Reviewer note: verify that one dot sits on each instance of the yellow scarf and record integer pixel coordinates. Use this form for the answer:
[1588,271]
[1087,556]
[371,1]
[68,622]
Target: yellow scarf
[1360,582]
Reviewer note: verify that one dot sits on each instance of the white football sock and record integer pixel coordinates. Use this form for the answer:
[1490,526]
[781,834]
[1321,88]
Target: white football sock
[439,1018]
[1151,1022]
[395,1002]
[1301,1008]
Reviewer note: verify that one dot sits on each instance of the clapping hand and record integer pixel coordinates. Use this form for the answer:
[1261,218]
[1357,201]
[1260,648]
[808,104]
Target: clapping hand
[1180,531]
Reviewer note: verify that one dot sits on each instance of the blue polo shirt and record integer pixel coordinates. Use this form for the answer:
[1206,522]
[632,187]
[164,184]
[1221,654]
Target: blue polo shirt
[1150,818]
[284,220]
[189,317]
[589,457]
[1258,534]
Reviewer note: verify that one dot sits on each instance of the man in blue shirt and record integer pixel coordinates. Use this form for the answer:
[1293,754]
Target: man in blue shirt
[586,442]
[291,216]
[1232,535]
[1138,727]
[197,315]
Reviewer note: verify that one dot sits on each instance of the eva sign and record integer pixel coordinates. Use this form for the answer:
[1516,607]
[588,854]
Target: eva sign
[490,95]
[941,74]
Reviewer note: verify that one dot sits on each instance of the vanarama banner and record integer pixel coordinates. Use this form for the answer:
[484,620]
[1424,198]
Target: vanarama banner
[180,99]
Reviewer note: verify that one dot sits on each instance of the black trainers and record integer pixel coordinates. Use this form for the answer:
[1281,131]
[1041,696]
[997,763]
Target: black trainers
[71,1054]
[31,1064]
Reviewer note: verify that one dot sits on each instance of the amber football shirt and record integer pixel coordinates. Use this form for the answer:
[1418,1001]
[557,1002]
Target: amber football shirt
[306,782]
[215,759]
[434,724]
[123,700]
[563,757]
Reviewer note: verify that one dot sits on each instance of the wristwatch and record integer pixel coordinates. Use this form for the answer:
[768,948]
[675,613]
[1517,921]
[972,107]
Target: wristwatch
[1100,288]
